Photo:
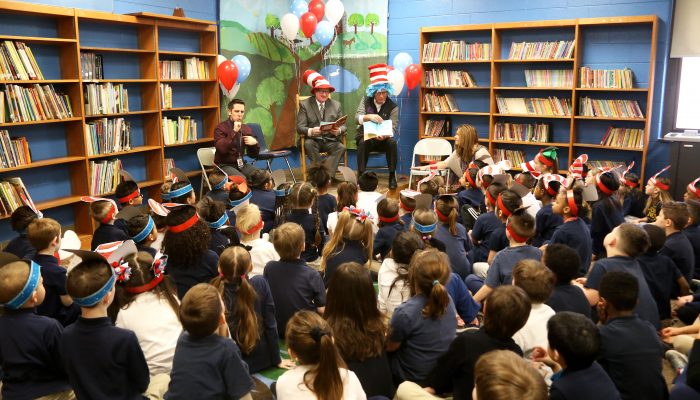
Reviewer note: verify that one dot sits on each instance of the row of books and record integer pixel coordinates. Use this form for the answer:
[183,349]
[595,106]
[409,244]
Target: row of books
[515,156]
[18,63]
[600,164]
[437,127]
[15,151]
[538,132]
[169,164]
[456,50]
[434,102]
[446,78]
[534,106]
[558,78]
[166,96]
[106,98]
[181,130]
[563,49]
[189,68]
[609,108]
[104,136]
[104,176]
[91,66]
[623,137]
[606,78]
[13,194]
[34,103]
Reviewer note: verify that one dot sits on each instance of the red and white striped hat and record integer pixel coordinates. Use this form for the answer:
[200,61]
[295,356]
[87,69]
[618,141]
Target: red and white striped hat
[576,168]
[530,167]
[693,189]
[316,81]
[377,74]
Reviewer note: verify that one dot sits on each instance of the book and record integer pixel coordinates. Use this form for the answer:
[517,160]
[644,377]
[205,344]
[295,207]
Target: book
[446,78]
[538,132]
[13,194]
[605,164]
[609,108]
[36,103]
[516,157]
[623,137]
[182,130]
[556,50]
[436,102]
[106,98]
[437,127]
[534,106]
[15,151]
[91,66]
[104,136]
[606,78]
[190,68]
[456,50]
[169,164]
[328,126]
[104,176]
[554,78]
[166,96]
[17,62]
[373,130]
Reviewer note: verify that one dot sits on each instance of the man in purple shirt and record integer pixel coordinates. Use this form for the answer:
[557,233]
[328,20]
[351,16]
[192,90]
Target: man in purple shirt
[230,137]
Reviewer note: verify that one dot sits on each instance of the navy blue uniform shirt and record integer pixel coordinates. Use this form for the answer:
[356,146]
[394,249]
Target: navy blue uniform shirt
[583,384]
[692,232]
[326,205]
[546,222]
[385,237]
[103,361]
[186,276]
[484,227]
[265,200]
[575,234]
[679,249]
[30,355]
[603,220]
[661,275]
[107,234]
[21,247]
[54,277]
[457,248]
[350,251]
[308,222]
[567,297]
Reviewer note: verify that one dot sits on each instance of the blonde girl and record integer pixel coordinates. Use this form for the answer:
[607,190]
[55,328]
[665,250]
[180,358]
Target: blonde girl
[352,241]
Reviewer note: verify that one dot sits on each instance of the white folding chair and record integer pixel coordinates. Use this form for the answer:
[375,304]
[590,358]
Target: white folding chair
[432,147]
[205,155]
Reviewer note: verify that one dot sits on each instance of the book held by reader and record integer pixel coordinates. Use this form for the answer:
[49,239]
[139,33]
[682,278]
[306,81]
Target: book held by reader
[328,126]
[373,129]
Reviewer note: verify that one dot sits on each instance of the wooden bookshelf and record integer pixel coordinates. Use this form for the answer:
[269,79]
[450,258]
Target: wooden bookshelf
[574,134]
[131,47]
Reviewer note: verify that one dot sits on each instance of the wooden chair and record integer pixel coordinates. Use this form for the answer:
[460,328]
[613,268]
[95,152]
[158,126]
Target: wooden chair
[344,161]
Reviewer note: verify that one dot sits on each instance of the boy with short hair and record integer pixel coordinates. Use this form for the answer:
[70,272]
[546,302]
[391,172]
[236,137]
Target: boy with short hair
[565,263]
[294,285]
[368,198]
[631,351]
[519,228]
[207,362]
[29,343]
[505,312]
[673,217]
[217,181]
[574,345]
[20,220]
[45,236]
[128,194]
[660,272]
[104,212]
[622,244]
[537,281]
[102,361]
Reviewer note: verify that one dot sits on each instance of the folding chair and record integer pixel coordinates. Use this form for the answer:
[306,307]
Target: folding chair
[205,155]
[431,147]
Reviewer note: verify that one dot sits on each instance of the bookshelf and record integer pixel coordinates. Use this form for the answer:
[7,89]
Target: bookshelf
[598,45]
[129,48]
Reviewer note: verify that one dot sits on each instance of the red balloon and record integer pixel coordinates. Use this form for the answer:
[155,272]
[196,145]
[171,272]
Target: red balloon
[317,8]
[308,24]
[228,73]
[414,73]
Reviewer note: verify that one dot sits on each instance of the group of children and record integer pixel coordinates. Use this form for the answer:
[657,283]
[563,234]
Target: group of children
[491,293]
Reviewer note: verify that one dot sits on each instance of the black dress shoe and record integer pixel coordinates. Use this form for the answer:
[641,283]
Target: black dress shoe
[392,180]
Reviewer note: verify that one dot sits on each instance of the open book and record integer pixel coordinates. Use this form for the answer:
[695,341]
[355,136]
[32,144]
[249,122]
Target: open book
[373,129]
[328,126]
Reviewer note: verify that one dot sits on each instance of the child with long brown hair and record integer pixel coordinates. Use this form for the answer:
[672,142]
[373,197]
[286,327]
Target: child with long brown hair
[352,241]
[319,176]
[390,225]
[546,221]
[392,280]
[359,328]
[546,161]
[348,193]
[631,196]
[453,235]
[658,192]
[147,304]
[186,244]
[303,198]
[422,328]
[250,310]
[321,373]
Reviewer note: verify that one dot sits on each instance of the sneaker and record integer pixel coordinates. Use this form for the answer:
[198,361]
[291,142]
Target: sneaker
[677,360]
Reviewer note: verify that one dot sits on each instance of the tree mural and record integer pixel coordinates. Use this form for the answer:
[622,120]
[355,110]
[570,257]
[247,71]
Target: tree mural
[272,23]
[356,20]
[371,20]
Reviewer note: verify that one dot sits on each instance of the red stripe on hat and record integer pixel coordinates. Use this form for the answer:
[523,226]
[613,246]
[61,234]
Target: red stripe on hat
[544,160]
[502,207]
[601,186]
[147,287]
[136,193]
[389,219]
[492,201]
[573,208]
[254,229]
[518,238]
[470,179]
[661,185]
[630,183]
[110,214]
[185,225]
[693,189]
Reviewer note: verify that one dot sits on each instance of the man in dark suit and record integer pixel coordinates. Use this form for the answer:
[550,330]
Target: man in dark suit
[232,138]
[312,112]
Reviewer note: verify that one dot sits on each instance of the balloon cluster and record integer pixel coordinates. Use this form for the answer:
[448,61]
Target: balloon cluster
[309,17]
[232,73]
[404,71]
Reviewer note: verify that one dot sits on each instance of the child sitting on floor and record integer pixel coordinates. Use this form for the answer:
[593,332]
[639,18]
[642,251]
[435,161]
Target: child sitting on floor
[673,217]
[606,212]
[142,230]
[20,245]
[546,221]
[484,227]
[103,212]
[574,231]
[249,226]
[657,191]
[471,198]
[565,263]
[347,196]
[390,225]
[218,180]
[319,176]
[303,198]
[631,196]
[368,197]
[351,241]
[393,273]
[537,281]
[213,213]
[453,235]
[261,185]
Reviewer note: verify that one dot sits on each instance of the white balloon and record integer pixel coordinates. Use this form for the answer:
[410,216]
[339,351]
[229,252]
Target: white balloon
[220,59]
[230,94]
[334,11]
[396,80]
[290,26]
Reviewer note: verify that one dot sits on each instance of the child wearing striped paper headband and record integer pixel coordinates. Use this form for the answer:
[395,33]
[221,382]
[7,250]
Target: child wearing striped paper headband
[33,339]
[546,220]
[658,190]
[606,212]
[692,191]
[104,212]
[352,241]
[574,232]
[186,243]
[390,225]
[249,224]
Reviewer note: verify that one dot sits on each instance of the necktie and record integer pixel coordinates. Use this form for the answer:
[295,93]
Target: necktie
[321,109]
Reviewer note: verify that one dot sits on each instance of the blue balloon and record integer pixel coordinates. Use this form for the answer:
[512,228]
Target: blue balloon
[324,33]
[243,64]
[402,60]
[299,8]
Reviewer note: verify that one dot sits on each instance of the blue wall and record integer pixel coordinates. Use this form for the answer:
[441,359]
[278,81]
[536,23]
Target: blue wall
[407,16]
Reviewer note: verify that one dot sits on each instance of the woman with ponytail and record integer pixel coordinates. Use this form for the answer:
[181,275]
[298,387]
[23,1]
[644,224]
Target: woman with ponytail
[422,328]
[321,373]
[453,235]
[250,310]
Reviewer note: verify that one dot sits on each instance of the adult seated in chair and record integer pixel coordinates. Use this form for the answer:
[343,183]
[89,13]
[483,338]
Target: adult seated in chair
[314,110]
[232,138]
[377,107]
